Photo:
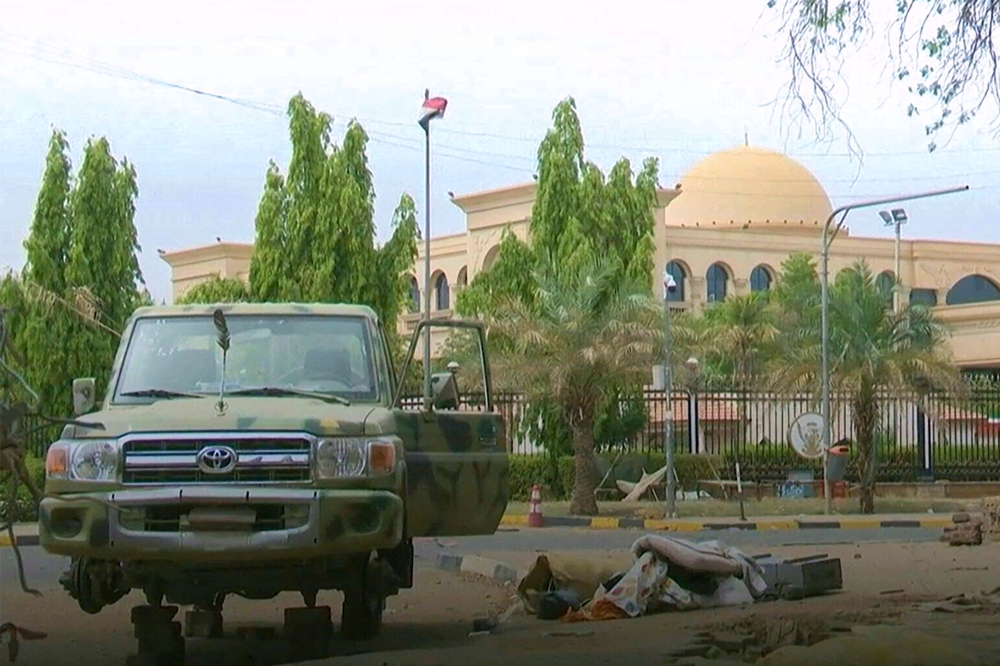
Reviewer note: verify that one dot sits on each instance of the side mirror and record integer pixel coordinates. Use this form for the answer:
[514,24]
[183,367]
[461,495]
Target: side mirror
[83,395]
[444,388]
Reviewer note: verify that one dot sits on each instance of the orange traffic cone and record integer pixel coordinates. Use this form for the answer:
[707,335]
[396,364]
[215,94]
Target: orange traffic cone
[535,513]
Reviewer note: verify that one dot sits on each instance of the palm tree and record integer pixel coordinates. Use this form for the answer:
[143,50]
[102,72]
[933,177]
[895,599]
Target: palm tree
[873,351]
[587,327]
[740,332]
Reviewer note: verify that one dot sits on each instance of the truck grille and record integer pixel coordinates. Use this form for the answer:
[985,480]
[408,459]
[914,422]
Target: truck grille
[257,460]
[174,517]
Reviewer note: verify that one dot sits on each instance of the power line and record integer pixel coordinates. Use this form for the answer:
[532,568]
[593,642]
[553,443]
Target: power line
[54,55]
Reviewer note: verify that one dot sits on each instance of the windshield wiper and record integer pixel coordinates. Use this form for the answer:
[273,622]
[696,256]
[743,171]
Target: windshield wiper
[160,393]
[277,390]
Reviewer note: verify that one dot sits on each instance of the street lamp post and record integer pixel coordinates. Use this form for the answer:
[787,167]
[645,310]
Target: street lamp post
[896,218]
[825,306]
[669,286]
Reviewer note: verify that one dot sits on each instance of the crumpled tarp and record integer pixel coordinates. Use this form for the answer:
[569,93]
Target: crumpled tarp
[678,574]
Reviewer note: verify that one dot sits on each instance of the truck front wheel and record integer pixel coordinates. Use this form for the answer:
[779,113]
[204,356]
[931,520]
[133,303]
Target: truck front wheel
[361,617]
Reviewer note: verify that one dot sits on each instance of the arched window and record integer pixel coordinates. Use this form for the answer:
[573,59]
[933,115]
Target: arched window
[885,283]
[491,257]
[463,277]
[973,289]
[761,278]
[717,278]
[414,295]
[441,292]
[925,297]
[677,271]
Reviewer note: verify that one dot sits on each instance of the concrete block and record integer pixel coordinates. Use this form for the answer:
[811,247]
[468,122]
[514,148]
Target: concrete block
[488,568]
[449,562]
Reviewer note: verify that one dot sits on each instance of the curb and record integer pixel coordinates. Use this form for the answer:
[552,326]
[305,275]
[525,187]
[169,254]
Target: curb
[22,540]
[762,525]
[480,566]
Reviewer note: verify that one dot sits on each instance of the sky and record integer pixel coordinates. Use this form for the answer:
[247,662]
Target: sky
[673,79]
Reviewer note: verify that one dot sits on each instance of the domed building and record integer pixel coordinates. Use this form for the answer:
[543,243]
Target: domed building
[752,186]
[724,229]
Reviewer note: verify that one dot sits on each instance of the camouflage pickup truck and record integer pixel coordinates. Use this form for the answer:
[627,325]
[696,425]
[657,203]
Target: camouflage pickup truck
[255,449]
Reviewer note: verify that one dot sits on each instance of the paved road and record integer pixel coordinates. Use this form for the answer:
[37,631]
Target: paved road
[437,613]
[528,540]
[43,570]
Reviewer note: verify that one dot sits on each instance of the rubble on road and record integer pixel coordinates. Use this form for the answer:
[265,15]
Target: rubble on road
[991,518]
[967,531]
[664,573]
[881,645]
[963,603]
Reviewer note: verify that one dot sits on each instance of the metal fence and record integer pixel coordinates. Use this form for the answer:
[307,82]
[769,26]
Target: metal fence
[936,437]
[41,434]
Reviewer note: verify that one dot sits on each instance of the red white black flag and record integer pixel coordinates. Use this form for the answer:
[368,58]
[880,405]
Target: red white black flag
[433,107]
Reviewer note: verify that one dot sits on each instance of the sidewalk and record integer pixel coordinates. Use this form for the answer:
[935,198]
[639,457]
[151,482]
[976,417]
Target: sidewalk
[25,533]
[768,514]
[762,523]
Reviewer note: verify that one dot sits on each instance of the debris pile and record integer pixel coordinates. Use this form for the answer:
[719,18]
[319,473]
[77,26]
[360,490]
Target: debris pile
[991,518]
[967,531]
[988,602]
[664,573]
[750,640]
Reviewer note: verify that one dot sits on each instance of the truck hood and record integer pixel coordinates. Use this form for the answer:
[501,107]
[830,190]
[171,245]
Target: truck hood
[243,413]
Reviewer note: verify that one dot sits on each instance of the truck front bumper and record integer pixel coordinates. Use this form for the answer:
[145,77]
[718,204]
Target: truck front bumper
[171,524]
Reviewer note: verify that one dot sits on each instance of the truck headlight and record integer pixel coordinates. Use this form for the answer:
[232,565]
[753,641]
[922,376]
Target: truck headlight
[85,460]
[353,458]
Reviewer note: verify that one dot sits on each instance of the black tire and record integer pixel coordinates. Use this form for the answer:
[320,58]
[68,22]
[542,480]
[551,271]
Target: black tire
[361,617]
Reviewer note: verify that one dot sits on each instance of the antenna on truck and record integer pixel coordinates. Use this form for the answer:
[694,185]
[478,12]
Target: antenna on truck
[222,337]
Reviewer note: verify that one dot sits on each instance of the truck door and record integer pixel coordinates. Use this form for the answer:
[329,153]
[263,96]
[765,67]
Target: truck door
[456,458]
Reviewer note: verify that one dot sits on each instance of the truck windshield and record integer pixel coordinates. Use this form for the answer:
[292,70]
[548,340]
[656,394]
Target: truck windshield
[322,354]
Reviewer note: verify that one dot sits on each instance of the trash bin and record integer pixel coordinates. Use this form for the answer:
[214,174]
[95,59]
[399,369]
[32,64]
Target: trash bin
[837,463]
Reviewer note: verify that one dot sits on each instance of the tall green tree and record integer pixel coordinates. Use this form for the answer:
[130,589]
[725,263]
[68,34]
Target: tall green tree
[577,213]
[102,258]
[41,332]
[874,351]
[47,244]
[315,230]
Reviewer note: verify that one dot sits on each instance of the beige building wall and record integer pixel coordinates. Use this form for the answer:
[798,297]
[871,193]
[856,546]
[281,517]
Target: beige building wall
[738,209]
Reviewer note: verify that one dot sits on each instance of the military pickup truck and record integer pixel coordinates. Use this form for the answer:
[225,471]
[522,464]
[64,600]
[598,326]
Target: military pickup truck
[255,449]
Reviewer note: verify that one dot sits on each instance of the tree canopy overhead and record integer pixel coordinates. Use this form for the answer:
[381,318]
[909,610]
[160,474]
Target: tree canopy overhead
[945,51]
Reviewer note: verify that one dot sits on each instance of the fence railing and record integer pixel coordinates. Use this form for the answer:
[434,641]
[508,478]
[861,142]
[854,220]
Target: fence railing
[934,437]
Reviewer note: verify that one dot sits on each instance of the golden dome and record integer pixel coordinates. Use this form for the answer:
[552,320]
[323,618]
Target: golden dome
[729,188]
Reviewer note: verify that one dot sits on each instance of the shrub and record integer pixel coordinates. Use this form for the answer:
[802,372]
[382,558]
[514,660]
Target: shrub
[22,508]
[555,474]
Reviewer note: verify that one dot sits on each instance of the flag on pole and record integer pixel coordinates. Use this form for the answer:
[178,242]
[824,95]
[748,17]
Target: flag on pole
[433,107]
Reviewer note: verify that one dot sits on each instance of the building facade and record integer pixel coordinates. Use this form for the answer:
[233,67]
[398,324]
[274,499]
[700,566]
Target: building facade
[725,229]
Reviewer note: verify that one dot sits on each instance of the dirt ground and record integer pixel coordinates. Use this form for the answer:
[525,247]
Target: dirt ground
[437,612]
[431,623]
[884,583]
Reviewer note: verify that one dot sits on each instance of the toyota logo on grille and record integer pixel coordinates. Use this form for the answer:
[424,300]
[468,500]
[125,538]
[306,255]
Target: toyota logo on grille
[217,460]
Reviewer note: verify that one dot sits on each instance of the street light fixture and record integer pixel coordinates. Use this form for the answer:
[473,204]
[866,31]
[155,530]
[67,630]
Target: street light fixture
[896,219]
[827,240]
